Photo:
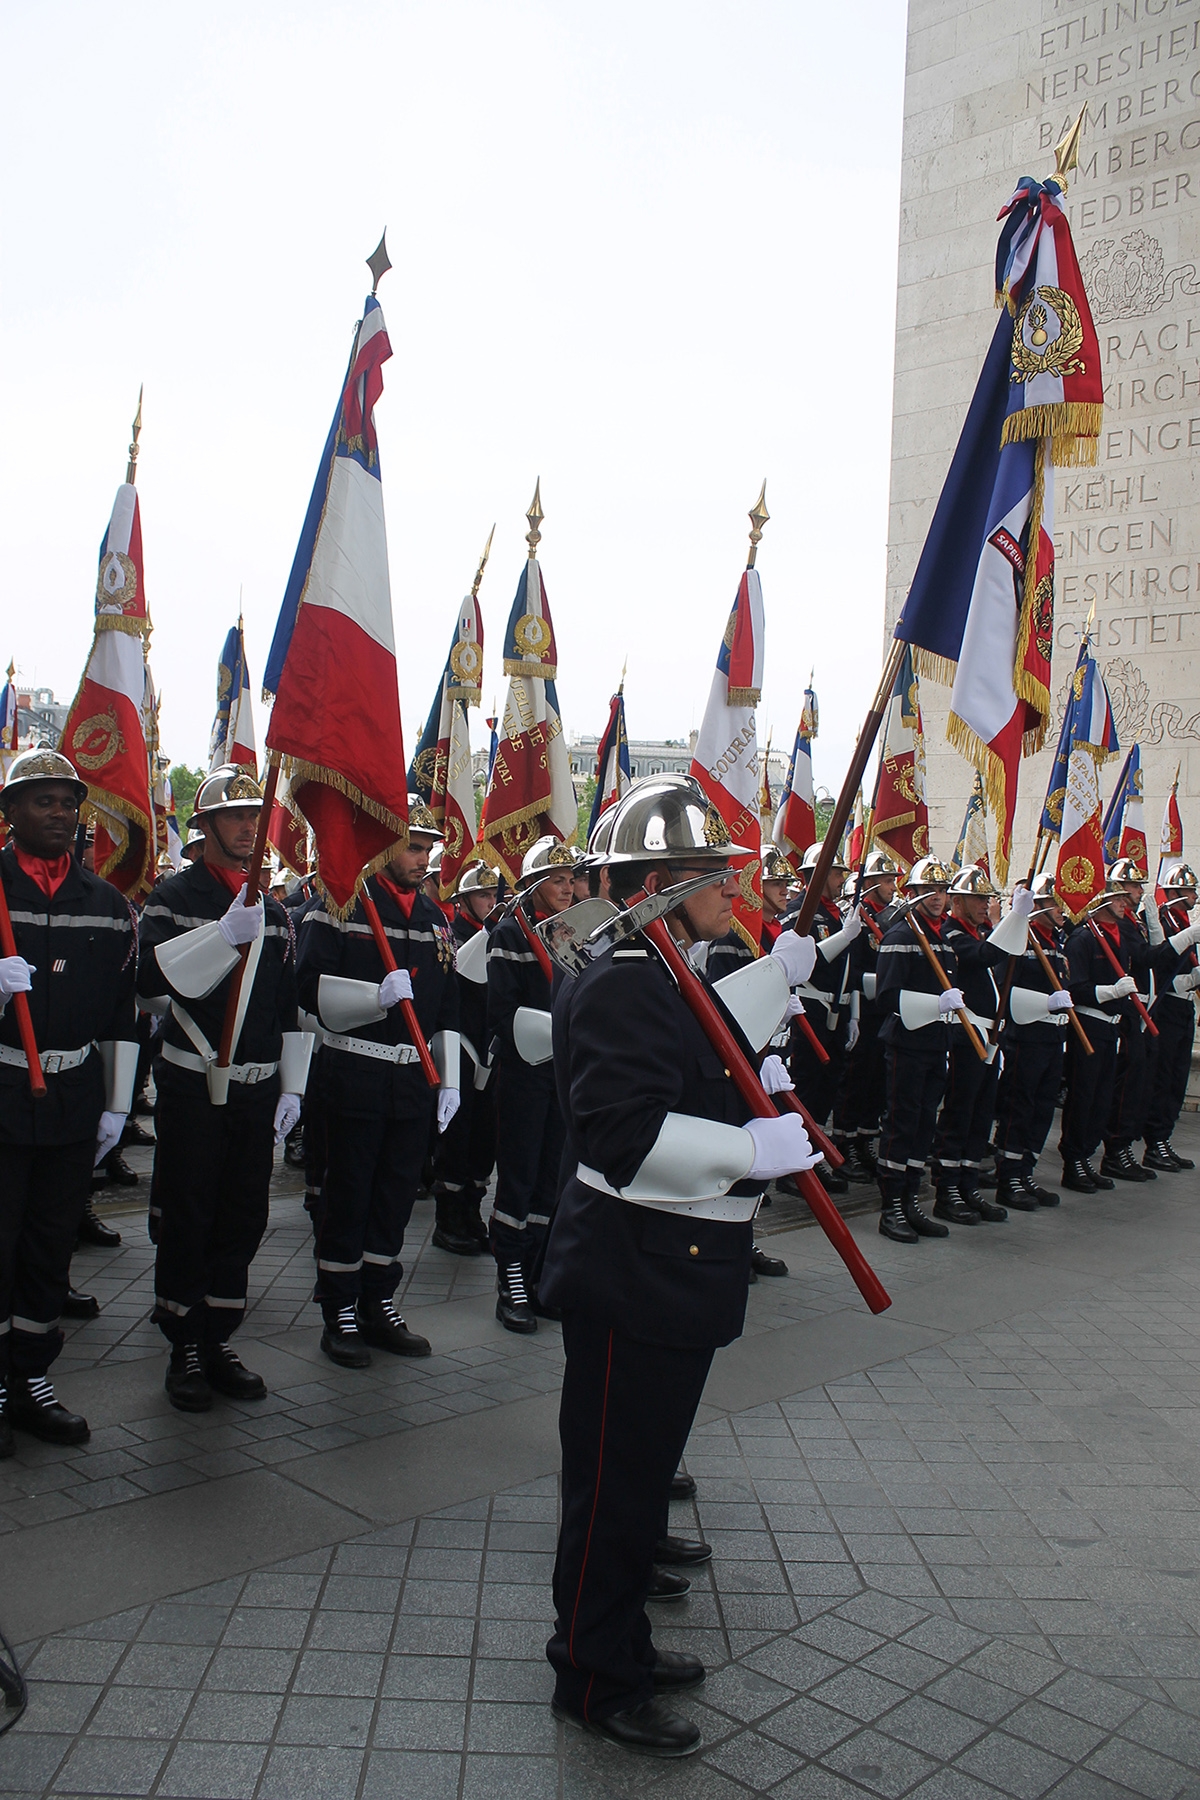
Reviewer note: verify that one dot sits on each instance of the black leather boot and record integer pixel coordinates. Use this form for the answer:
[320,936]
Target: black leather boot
[186,1383]
[1078,1177]
[1009,1194]
[117,1170]
[762,1264]
[893,1223]
[93,1230]
[920,1221]
[342,1342]
[452,1229]
[293,1146]
[1181,1162]
[1158,1156]
[1039,1195]
[988,1211]
[80,1306]
[1119,1164]
[1099,1179]
[32,1407]
[650,1728]
[228,1374]
[834,1181]
[949,1205]
[512,1300]
[381,1326]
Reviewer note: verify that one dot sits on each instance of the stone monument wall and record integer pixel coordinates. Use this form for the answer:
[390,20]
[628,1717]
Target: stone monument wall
[989,90]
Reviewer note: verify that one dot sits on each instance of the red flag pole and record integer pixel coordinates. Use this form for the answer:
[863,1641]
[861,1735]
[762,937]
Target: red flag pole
[1096,932]
[407,1010]
[8,944]
[253,890]
[533,940]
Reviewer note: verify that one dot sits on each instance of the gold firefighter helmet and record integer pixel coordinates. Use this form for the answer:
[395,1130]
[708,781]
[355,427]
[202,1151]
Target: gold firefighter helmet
[775,865]
[975,881]
[667,819]
[422,821]
[34,766]
[227,786]
[927,874]
[549,856]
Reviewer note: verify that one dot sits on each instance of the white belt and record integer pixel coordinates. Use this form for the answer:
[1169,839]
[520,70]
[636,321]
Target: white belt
[54,1062]
[979,1023]
[1091,1012]
[389,1053]
[730,1209]
[832,1003]
[247,1073]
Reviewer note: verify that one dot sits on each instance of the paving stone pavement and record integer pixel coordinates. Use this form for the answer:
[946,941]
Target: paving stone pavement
[970,1570]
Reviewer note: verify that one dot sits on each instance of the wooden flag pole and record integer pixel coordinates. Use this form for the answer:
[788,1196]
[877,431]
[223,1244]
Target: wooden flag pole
[8,944]
[945,983]
[1056,987]
[1120,973]
[407,1010]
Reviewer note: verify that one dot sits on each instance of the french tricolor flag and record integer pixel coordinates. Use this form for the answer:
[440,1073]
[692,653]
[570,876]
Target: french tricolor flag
[796,821]
[725,759]
[612,761]
[332,666]
[1124,822]
[1079,873]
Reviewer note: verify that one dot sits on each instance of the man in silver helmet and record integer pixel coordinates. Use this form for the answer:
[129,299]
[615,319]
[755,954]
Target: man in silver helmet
[1033,1042]
[648,1255]
[465,1153]
[859,1100]
[1174,1013]
[75,962]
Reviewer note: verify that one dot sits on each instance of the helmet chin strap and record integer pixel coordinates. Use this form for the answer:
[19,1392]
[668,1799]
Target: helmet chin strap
[223,847]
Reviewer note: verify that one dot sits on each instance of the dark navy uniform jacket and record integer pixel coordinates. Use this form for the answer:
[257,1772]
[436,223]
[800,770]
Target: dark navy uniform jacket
[1090,969]
[627,1051]
[1028,973]
[728,953]
[196,897]
[976,957]
[364,1086]
[514,979]
[83,946]
[902,964]
[1175,919]
[472,995]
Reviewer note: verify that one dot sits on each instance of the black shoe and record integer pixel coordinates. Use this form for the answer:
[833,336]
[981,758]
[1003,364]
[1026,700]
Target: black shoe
[93,1230]
[1078,1177]
[682,1486]
[665,1586]
[674,1671]
[512,1302]
[229,1375]
[80,1306]
[834,1181]
[293,1146]
[134,1133]
[651,1729]
[1009,1193]
[142,1107]
[541,1309]
[920,1221]
[679,1552]
[1099,1180]
[894,1225]
[1042,1196]
[762,1264]
[118,1170]
[33,1408]
[989,1211]
[8,1443]
[1158,1156]
[186,1383]
[1120,1165]
[786,1184]
[987,1178]
[951,1207]
[452,1228]
[341,1342]
[864,1152]
[380,1325]
[1181,1162]
[859,1166]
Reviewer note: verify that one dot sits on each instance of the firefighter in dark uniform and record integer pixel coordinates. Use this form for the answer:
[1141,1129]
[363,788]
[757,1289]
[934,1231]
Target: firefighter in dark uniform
[648,1258]
[1102,1000]
[859,1099]
[1137,1047]
[529,1127]
[1033,1042]
[964,1129]
[915,1035]
[217,1128]
[376,1105]
[76,958]
[830,999]
[1174,1013]
[466,1151]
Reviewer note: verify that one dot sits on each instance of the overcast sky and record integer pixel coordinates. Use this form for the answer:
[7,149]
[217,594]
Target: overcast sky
[645,251]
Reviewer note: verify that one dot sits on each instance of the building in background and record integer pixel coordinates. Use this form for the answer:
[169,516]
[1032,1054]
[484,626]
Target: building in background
[988,93]
[40,717]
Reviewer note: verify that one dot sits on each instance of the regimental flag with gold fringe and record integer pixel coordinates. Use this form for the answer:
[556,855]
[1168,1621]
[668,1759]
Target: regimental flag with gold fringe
[795,825]
[441,765]
[1170,840]
[287,833]
[1079,874]
[972,846]
[980,612]
[1124,821]
[332,666]
[232,738]
[530,792]
[105,733]
[725,759]
[900,818]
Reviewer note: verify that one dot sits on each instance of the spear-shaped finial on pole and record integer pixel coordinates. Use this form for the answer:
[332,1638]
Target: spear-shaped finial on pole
[621,683]
[131,471]
[12,669]
[535,515]
[758,517]
[487,551]
[1066,151]
[379,262]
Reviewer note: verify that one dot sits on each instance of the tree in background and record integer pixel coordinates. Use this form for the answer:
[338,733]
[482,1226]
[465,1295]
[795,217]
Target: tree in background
[586,794]
[184,783]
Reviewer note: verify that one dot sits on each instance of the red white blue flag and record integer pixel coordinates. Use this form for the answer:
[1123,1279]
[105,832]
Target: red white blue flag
[796,820]
[8,717]
[725,759]
[612,760]
[232,738]
[980,613]
[900,815]
[972,846]
[1170,841]
[332,666]
[1124,822]
[1079,874]
[441,767]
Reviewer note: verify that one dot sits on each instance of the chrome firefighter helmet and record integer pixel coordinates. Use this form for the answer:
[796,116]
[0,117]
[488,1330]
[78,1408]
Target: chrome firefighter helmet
[879,867]
[435,861]
[775,865]
[35,766]
[1180,879]
[1123,874]
[667,819]
[422,821]
[227,787]
[549,856]
[195,844]
[478,879]
[808,861]
[926,875]
[1042,889]
[976,882]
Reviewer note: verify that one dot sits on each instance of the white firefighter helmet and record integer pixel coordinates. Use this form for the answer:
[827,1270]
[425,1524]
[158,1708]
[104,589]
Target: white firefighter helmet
[477,879]
[808,861]
[1180,880]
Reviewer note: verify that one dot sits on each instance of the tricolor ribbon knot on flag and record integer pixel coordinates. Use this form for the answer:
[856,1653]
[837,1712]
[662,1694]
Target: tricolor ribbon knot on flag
[980,612]
[725,759]
[332,667]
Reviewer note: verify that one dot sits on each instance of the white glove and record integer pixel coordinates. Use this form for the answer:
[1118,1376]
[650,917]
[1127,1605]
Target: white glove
[774,1076]
[1183,940]
[1118,990]
[1022,902]
[108,1133]
[449,1100]
[287,1111]
[395,986]
[795,1007]
[14,976]
[781,1147]
[1056,1003]
[797,954]
[1154,930]
[242,923]
[852,924]
[852,1035]
[951,1001]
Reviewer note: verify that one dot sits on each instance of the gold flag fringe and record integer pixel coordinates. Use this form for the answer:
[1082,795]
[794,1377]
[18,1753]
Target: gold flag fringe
[1073,427]
[931,667]
[138,626]
[1026,686]
[518,665]
[297,773]
[113,810]
[897,824]
[968,743]
[740,696]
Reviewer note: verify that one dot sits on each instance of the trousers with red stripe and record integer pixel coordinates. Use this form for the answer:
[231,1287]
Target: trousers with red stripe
[627,1409]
